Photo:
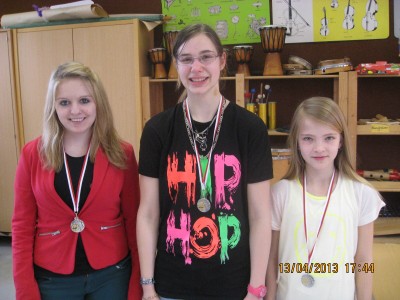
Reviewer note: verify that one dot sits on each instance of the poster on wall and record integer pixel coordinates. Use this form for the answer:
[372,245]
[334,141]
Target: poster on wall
[236,22]
[332,20]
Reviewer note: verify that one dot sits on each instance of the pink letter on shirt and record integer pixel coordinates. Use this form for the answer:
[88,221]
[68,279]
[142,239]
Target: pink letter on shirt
[220,161]
[182,234]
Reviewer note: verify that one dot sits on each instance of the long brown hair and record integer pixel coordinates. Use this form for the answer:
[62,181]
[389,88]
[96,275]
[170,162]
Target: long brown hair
[104,133]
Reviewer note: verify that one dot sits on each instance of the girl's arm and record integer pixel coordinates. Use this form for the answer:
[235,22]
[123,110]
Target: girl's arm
[260,231]
[272,271]
[364,255]
[147,230]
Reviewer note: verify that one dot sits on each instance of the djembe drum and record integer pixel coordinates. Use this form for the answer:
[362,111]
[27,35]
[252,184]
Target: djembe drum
[272,41]
[157,57]
[243,55]
[169,39]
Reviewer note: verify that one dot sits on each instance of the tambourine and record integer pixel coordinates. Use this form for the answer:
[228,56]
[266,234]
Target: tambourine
[299,72]
[157,57]
[243,55]
[331,66]
[301,61]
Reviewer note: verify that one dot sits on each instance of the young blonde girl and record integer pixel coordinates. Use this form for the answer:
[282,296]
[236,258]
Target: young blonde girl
[323,213]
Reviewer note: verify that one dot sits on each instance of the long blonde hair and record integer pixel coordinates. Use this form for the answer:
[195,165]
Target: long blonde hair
[104,133]
[326,111]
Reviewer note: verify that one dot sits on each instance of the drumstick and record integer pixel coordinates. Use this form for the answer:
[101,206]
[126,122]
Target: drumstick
[296,12]
[253,92]
[268,90]
[247,96]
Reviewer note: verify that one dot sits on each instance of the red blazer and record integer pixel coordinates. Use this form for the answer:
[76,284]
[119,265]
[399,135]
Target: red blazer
[41,231]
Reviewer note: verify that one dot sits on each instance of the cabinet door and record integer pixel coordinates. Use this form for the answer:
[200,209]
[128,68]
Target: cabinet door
[108,50]
[8,144]
[39,53]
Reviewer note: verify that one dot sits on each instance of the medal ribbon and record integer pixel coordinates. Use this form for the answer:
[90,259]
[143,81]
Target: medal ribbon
[203,178]
[328,196]
[76,197]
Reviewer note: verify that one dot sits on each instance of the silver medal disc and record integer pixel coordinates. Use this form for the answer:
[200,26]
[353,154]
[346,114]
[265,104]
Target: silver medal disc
[307,280]
[77,225]
[204,205]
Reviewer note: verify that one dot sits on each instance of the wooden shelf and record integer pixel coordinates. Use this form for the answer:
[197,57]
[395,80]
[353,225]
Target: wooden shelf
[378,76]
[386,186]
[274,132]
[292,77]
[166,80]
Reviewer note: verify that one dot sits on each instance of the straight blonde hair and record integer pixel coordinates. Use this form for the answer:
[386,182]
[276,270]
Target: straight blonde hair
[325,111]
[104,134]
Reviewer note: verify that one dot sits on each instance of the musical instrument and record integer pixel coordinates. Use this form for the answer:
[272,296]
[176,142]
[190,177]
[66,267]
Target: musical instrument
[379,175]
[369,23]
[292,25]
[324,31]
[290,22]
[243,55]
[334,4]
[333,66]
[348,22]
[297,66]
[272,41]
[293,59]
[169,39]
[227,68]
[157,57]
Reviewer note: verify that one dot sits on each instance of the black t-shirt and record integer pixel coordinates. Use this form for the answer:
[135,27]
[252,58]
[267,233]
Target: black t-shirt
[204,255]
[75,164]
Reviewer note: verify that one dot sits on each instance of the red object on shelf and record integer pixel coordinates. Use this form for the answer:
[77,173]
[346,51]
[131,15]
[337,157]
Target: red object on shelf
[380,67]
[386,175]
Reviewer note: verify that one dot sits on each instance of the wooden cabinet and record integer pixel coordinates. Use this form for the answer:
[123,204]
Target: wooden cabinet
[115,50]
[8,132]
[377,146]
[300,87]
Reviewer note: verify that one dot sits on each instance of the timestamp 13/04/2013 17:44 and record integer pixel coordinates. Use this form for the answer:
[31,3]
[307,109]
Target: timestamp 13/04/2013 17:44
[325,267]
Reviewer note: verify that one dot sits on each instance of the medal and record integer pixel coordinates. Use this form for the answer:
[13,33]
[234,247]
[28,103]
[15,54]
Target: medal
[204,205]
[307,280]
[77,225]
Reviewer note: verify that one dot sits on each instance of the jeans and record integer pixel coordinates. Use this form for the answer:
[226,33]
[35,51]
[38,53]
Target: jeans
[108,283]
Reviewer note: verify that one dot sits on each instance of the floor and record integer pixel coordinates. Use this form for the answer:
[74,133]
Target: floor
[7,291]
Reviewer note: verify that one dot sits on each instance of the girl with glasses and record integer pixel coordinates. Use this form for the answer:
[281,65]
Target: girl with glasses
[205,164]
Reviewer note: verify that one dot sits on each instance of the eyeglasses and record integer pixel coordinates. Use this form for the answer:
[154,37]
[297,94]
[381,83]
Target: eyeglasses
[204,59]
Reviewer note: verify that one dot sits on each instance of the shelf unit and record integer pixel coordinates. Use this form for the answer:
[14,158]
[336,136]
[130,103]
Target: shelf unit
[153,89]
[333,86]
[368,96]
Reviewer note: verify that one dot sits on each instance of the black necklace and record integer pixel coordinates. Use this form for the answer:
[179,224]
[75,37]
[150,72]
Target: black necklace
[201,137]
